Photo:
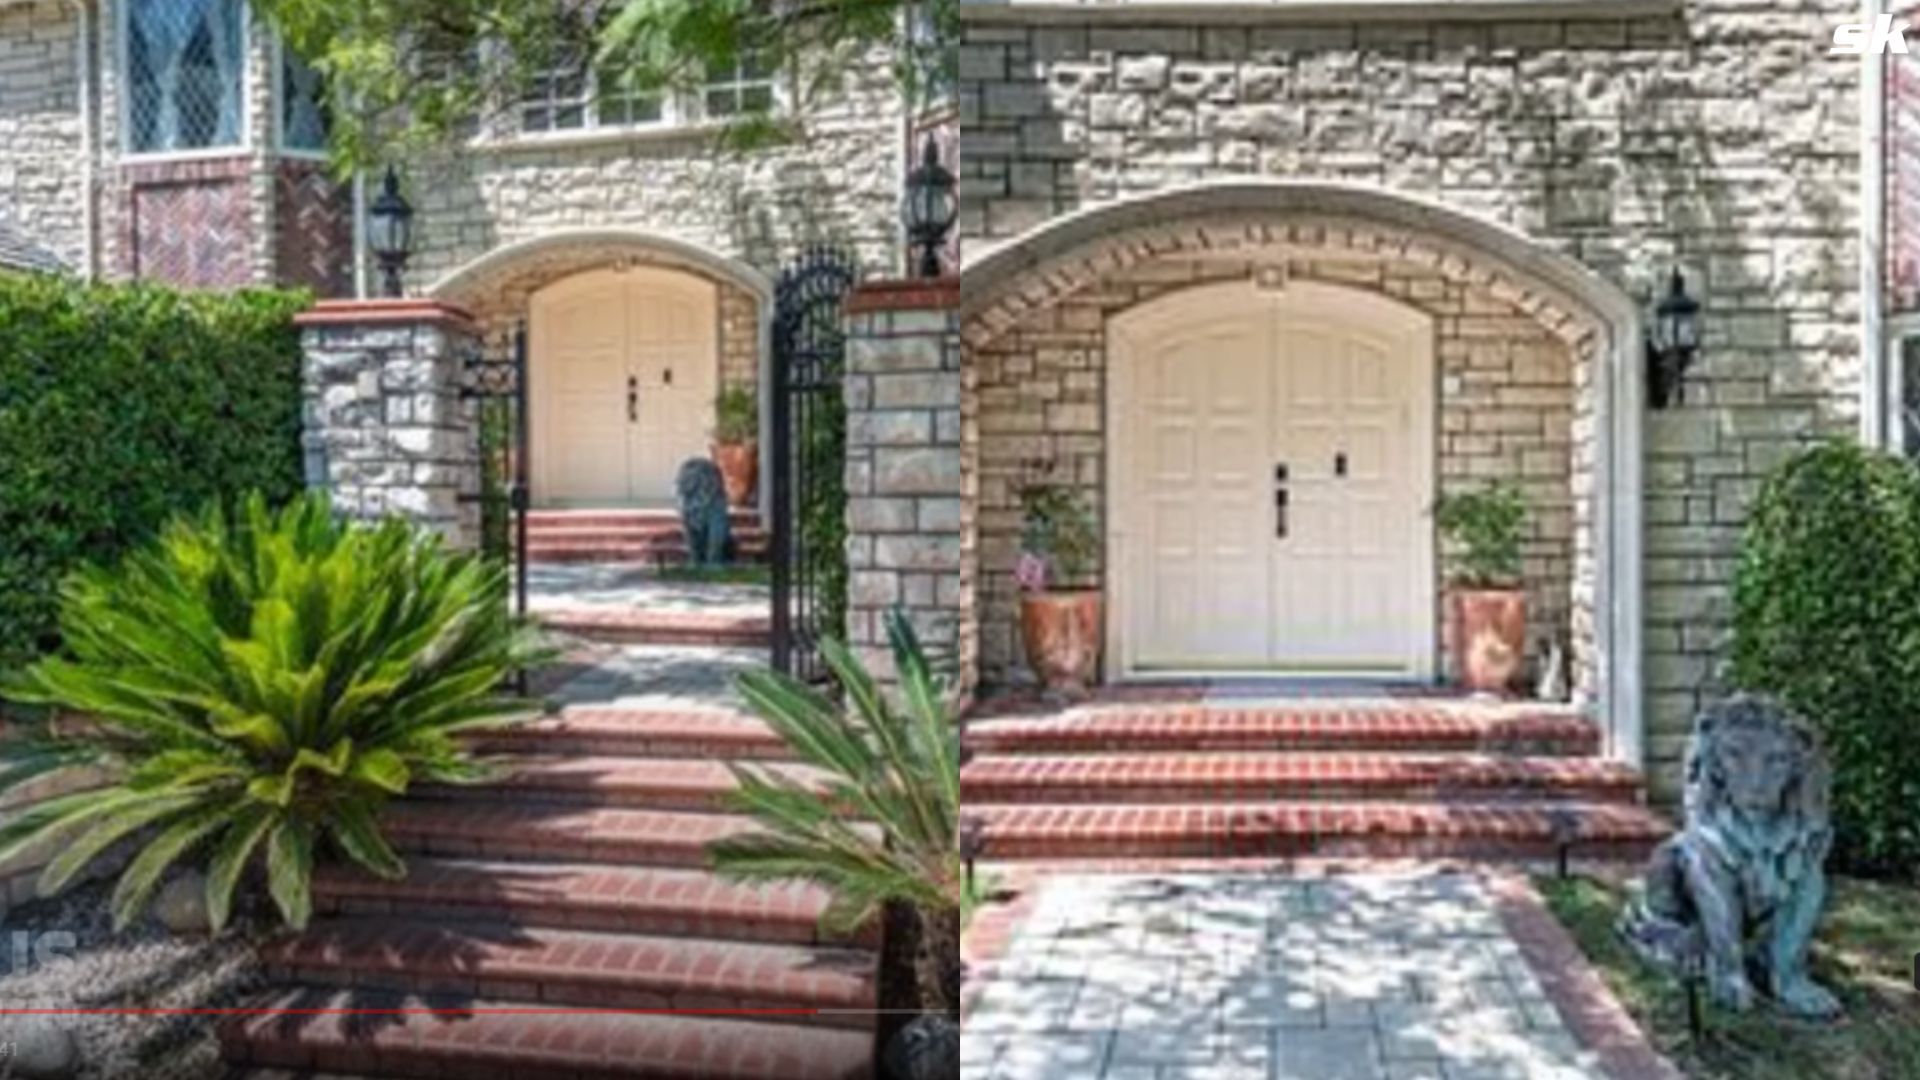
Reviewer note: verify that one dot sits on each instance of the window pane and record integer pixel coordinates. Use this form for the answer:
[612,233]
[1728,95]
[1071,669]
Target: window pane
[1909,433]
[185,60]
[303,115]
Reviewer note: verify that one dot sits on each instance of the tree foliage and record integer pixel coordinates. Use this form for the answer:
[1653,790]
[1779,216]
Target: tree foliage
[412,72]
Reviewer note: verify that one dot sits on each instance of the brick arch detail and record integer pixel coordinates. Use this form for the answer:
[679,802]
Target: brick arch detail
[1272,222]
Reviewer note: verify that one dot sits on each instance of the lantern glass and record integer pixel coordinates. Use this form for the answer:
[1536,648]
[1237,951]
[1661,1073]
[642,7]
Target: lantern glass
[1677,319]
[390,221]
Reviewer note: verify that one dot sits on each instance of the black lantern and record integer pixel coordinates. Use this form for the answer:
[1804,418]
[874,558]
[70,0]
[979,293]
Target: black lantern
[930,207]
[1671,343]
[390,232]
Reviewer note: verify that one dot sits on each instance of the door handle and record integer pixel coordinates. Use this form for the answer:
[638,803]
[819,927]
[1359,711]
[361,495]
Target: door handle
[633,399]
[1280,501]
[1340,463]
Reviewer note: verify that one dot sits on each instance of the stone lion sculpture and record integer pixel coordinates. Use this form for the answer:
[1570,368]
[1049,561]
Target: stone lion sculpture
[1740,889]
[703,511]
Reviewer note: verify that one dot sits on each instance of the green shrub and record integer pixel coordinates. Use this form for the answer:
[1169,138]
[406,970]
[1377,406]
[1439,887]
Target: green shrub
[1484,529]
[265,682]
[120,406]
[1059,529]
[736,416]
[897,767]
[1827,617]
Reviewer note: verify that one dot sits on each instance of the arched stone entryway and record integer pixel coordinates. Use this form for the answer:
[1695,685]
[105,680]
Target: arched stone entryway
[1538,381]
[517,282]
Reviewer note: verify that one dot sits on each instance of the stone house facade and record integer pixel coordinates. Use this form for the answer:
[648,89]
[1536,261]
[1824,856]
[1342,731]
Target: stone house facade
[176,141]
[1144,181]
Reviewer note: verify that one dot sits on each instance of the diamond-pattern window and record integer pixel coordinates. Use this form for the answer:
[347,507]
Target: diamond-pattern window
[303,107]
[185,68]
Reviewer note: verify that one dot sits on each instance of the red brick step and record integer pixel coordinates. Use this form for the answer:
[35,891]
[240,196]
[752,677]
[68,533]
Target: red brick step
[657,783]
[557,831]
[484,1044]
[551,966]
[1299,829]
[611,729]
[1306,726]
[640,900]
[632,517]
[644,626]
[1199,777]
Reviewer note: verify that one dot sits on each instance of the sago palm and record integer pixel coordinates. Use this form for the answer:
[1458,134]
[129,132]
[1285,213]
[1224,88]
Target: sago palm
[259,682]
[881,829]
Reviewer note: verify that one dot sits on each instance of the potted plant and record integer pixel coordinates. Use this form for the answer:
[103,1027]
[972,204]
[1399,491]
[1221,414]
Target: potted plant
[1487,600]
[1059,611]
[736,447]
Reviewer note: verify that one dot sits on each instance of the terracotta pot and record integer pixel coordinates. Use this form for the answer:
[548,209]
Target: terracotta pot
[739,468]
[1489,635]
[1061,629]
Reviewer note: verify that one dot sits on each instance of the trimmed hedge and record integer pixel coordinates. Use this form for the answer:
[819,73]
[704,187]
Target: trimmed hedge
[1827,617]
[121,405]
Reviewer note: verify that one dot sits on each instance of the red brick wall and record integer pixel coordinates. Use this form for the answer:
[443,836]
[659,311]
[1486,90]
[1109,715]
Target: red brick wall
[1903,173]
[187,223]
[314,219]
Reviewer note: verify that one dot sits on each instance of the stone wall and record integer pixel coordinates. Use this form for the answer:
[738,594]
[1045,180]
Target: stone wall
[1723,140]
[40,127]
[836,181]
[905,526]
[384,427]
[1505,395]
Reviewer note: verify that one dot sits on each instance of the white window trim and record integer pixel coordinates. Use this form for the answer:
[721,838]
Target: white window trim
[122,73]
[683,114]
[278,106]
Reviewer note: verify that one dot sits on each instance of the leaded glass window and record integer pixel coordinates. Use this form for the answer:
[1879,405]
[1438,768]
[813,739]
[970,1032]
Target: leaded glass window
[303,107]
[186,63]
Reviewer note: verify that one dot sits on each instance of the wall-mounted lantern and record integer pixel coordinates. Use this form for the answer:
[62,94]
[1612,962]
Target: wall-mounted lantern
[931,207]
[390,233]
[1672,341]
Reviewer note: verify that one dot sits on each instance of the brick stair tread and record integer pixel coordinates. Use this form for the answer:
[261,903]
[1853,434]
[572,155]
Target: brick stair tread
[586,896]
[655,625]
[559,831]
[487,1043]
[579,967]
[1306,774]
[669,733]
[1304,827]
[1302,727]
[627,515]
[641,553]
[666,783]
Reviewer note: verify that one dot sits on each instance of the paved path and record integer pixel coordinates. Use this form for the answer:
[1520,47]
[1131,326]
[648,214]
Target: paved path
[577,586]
[1389,976]
[660,676]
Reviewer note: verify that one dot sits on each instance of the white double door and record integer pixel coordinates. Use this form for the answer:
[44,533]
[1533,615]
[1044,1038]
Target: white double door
[623,367]
[1272,466]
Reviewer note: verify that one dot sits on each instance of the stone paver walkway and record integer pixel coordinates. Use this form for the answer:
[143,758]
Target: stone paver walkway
[1378,976]
[578,586]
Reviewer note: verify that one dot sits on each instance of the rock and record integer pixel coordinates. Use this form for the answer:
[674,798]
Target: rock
[1737,894]
[926,1049]
[182,904]
[42,1049]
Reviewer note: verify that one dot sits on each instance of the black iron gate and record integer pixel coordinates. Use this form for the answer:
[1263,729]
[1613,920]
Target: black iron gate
[809,440]
[496,382]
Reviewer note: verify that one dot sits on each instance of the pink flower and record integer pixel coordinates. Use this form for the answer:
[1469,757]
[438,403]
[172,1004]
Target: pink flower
[1030,571]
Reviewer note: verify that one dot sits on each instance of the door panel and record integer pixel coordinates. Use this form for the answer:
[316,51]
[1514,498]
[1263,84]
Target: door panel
[1215,389]
[596,337]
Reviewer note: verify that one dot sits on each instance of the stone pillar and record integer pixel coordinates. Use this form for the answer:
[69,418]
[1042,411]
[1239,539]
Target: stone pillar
[384,428]
[908,514]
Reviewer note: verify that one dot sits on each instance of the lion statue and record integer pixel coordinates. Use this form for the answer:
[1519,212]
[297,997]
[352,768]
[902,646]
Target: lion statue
[703,511]
[1737,892]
